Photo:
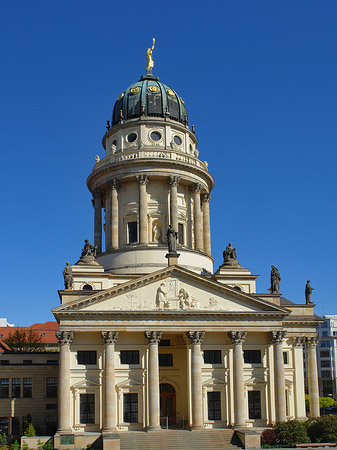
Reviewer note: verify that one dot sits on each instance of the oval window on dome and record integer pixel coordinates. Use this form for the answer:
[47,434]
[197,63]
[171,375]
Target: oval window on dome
[177,140]
[155,136]
[170,93]
[132,137]
[135,90]
[153,89]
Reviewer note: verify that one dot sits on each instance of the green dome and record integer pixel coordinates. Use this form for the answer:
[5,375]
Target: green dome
[149,97]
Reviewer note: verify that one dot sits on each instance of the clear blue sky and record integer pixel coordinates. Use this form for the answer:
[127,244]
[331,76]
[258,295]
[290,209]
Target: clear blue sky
[258,78]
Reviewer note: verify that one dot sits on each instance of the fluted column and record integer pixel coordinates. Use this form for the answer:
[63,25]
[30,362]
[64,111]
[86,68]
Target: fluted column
[173,182]
[109,389]
[113,218]
[300,412]
[311,343]
[205,198]
[64,338]
[108,220]
[238,338]
[153,338]
[97,202]
[198,234]
[196,338]
[143,233]
[277,338]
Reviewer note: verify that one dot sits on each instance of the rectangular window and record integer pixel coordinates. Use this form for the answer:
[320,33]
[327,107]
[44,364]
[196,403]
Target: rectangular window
[324,334]
[27,362]
[334,333]
[51,405]
[325,363]
[87,357]
[325,374]
[87,408]
[181,234]
[3,425]
[325,354]
[285,357]
[252,357]
[27,388]
[212,356]
[165,360]
[16,387]
[52,361]
[132,233]
[254,404]
[214,405]
[129,356]
[4,387]
[164,343]
[130,402]
[325,343]
[4,362]
[51,387]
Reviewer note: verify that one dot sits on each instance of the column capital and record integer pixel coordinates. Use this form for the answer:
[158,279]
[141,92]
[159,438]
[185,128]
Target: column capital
[142,179]
[277,337]
[173,181]
[237,337]
[64,337]
[298,341]
[113,183]
[196,187]
[97,193]
[195,337]
[153,337]
[311,342]
[205,198]
[109,337]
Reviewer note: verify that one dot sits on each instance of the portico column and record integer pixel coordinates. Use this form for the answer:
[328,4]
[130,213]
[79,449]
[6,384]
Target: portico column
[277,338]
[64,338]
[153,338]
[173,182]
[143,233]
[300,412]
[205,198]
[238,338]
[196,338]
[198,235]
[113,219]
[97,202]
[109,389]
[311,343]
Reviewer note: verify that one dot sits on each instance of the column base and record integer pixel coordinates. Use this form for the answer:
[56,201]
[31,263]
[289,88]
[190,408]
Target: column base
[64,431]
[197,427]
[111,430]
[154,429]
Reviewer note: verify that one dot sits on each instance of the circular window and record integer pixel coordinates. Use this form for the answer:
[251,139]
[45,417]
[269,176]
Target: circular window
[132,137]
[177,140]
[155,136]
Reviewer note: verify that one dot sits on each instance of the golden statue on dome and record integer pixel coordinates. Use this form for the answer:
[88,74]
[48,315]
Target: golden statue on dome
[149,59]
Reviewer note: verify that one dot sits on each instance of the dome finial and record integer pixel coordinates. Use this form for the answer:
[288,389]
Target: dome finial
[149,59]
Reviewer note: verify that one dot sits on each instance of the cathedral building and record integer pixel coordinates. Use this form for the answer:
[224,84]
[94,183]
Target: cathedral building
[150,334]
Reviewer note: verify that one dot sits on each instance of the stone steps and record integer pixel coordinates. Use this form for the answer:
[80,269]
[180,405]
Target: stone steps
[180,440]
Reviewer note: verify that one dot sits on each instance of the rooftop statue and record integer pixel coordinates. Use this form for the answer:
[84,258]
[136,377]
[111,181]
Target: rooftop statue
[230,257]
[88,255]
[275,279]
[68,276]
[171,237]
[308,292]
[149,59]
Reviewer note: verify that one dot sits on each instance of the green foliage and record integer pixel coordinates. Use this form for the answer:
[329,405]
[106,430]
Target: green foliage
[307,400]
[15,445]
[39,445]
[25,341]
[49,445]
[3,440]
[291,433]
[268,437]
[30,431]
[325,402]
[323,429]
[24,446]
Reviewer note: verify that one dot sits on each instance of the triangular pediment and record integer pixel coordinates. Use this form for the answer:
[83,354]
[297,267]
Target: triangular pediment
[254,380]
[129,383]
[213,382]
[84,384]
[173,289]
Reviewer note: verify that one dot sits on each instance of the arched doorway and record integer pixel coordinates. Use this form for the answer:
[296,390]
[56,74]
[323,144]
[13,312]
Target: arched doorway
[167,404]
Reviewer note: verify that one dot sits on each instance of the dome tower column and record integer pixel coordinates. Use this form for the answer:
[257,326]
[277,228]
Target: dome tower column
[111,237]
[143,233]
[173,182]
[97,203]
[198,234]
[205,198]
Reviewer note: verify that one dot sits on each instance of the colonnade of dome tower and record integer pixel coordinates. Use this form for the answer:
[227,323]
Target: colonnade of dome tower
[151,176]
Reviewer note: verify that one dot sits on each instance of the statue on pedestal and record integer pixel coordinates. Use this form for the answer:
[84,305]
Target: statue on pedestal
[275,279]
[68,276]
[171,237]
[88,255]
[308,292]
[230,257]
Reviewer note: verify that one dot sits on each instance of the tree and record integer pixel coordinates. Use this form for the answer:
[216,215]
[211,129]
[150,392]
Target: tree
[325,402]
[25,341]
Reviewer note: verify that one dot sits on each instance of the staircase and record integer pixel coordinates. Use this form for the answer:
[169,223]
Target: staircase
[180,440]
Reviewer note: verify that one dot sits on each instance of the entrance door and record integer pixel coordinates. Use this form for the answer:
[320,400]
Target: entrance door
[167,404]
